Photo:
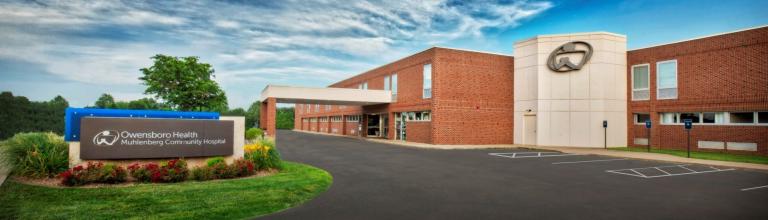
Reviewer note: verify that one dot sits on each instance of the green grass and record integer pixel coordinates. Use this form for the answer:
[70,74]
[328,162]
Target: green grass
[702,155]
[225,199]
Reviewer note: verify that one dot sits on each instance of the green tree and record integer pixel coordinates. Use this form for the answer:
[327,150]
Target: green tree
[284,119]
[252,116]
[105,101]
[184,83]
[234,112]
[18,114]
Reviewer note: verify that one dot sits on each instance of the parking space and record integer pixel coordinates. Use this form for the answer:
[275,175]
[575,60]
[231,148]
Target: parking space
[668,171]
[594,165]
[382,181]
[536,154]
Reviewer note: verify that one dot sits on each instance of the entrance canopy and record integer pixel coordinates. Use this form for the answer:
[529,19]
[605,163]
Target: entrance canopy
[325,96]
[306,95]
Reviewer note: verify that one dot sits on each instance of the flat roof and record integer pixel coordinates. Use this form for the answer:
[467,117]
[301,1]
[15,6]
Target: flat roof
[702,37]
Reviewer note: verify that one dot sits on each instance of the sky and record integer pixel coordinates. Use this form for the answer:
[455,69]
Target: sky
[81,49]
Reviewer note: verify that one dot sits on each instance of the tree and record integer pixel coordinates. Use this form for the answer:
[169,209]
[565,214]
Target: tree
[184,84]
[105,101]
[18,114]
[252,116]
[234,112]
[284,119]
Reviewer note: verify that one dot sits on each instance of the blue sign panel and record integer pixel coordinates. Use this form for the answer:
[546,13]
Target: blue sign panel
[73,115]
[648,124]
[688,124]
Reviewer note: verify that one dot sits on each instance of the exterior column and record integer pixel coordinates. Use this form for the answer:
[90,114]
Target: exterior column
[267,119]
[343,124]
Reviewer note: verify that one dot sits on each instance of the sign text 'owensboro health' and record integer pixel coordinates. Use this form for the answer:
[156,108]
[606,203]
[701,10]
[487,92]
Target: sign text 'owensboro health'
[132,138]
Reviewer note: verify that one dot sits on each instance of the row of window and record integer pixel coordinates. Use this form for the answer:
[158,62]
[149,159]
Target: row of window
[390,83]
[350,118]
[666,80]
[730,118]
[414,116]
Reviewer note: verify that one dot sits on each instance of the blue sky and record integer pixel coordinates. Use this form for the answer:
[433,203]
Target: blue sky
[81,49]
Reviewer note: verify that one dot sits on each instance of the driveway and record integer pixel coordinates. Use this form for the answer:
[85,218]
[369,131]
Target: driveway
[382,181]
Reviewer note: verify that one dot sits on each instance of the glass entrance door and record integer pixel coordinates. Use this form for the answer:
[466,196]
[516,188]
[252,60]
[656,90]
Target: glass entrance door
[399,126]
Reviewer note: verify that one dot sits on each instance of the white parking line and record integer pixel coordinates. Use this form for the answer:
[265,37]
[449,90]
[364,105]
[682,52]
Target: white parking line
[757,187]
[518,155]
[666,174]
[589,161]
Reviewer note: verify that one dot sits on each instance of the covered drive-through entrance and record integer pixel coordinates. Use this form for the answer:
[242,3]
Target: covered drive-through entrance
[271,95]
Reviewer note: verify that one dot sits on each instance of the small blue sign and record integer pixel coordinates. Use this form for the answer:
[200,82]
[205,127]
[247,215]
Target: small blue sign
[73,115]
[688,124]
[648,124]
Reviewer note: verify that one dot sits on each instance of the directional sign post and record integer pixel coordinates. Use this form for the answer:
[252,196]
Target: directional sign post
[688,124]
[605,134]
[648,127]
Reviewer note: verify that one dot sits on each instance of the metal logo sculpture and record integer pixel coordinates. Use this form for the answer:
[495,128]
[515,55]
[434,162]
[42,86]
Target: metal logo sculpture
[564,64]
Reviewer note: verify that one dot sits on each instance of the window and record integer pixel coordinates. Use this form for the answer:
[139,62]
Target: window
[317,107]
[394,87]
[353,118]
[762,117]
[640,118]
[427,81]
[417,116]
[308,108]
[666,75]
[335,118]
[386,83]
[300,107]
[713,117]
[640,82]
[694,117]
[668,118]
[363,86]
[327,107]
[742,117]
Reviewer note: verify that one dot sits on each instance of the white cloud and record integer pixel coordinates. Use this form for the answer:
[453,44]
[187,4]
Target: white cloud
[106,42]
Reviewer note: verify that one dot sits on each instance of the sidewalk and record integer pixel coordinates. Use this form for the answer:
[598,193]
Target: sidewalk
[653,156]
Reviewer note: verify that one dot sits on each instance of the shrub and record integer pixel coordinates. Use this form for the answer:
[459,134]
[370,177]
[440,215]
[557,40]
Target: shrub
[150,172]
[202,173]
[111,173]
[172,171]
[93,173]
[37,155]
[253,133]
[263,154]
[175,171]
[223,171]
[243,168]
[215,160]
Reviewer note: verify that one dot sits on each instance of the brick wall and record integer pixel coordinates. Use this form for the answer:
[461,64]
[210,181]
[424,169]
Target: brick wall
[724,73]
[472,98]
[418,131]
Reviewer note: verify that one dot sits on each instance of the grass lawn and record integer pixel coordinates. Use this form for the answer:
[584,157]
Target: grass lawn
[224,199]
[702,155]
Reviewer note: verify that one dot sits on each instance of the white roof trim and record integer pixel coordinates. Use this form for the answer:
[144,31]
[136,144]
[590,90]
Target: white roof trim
[698,38]
[570,34]
[422,51]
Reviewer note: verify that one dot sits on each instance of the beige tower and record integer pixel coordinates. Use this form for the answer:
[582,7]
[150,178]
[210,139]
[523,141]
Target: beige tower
[567,85]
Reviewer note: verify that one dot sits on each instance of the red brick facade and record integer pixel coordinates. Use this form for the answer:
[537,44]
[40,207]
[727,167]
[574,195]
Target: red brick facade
[724,73]
[458,107]
[472,93]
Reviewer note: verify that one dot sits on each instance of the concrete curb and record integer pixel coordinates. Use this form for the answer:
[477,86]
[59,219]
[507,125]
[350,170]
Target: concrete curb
[419,145]
[653,156]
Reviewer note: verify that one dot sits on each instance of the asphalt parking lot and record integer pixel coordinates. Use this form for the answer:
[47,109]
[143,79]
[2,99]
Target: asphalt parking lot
[381,181]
